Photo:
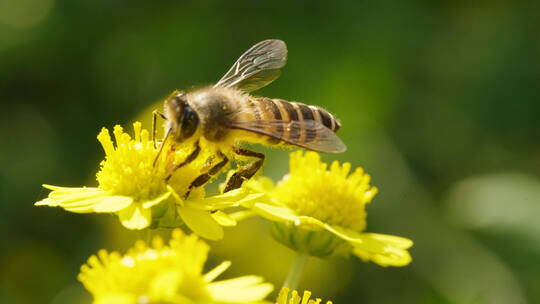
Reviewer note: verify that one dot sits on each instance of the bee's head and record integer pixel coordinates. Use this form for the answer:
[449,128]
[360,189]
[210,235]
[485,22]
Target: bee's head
[182,120]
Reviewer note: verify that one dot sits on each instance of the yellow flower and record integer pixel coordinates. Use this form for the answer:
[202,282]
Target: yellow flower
[136,190]
[295,298]
[166,273]
[321,211]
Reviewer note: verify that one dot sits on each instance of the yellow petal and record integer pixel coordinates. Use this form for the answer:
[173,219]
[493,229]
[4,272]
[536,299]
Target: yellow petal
[309,223]
[396,241]
[275,213]
[385,250]
[232,195]
[260,184]
[46,202]
[284,214]
[67,189]
[179,200]
[159,199]
[241,215]
[201,223]
[116,299]
[251,199]
[84,200]
[86,206]
[77,206]
[135,217]
[242,289]
[221,201]
[348,235]
[74,195]
[112,203]
[214,273]
[223,219]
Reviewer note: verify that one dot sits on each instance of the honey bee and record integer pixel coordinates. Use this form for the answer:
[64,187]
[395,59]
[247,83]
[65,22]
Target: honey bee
[226,114]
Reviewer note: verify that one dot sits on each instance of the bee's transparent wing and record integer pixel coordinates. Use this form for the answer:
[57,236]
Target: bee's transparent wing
[257,67]
[295,133]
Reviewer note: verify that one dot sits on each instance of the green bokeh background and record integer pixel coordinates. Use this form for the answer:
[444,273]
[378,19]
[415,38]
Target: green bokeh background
[439,102]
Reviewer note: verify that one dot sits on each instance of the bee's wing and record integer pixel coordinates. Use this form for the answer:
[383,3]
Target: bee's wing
[325,140]
[257,67]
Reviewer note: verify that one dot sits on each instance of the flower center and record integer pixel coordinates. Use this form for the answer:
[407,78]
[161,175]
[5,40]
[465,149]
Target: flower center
[329,195]
[156,273]
[129,170]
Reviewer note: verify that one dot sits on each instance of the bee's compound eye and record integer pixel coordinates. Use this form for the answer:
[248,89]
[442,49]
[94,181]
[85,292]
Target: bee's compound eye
[190,121]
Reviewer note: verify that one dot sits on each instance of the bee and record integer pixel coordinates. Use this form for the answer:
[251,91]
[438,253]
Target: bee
[227,115]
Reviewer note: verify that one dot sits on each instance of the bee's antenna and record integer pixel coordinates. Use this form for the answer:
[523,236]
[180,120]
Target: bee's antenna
[161,147]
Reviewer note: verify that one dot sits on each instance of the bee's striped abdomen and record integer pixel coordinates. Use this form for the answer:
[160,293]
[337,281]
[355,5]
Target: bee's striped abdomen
[305,113]
[276,112]
[267,109]
[288,114]
[264,109]
[327,119]
[317,114]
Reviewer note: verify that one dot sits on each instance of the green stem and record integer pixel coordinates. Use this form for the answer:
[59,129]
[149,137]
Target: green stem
[295,273]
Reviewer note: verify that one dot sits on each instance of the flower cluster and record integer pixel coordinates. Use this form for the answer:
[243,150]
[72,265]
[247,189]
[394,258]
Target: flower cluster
[321,211]
[143,194]
[294,298]
[316,209]
[166,273]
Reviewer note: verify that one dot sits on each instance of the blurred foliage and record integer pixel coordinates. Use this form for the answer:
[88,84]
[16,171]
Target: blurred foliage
[439,102]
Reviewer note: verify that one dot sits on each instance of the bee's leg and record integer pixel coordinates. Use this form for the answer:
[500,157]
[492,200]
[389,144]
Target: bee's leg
[155,113]
[204,178]
[191,157]
[245,173]
[167,133]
